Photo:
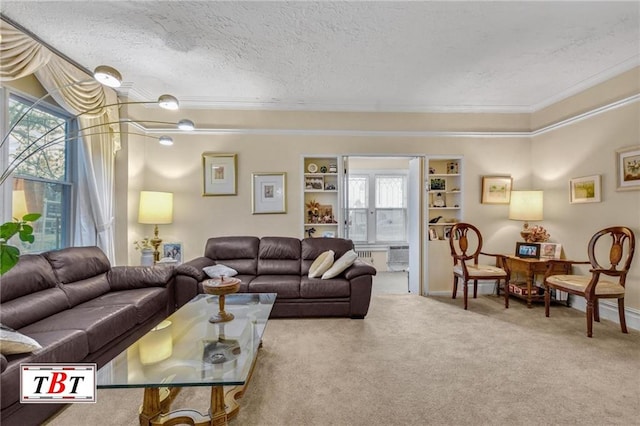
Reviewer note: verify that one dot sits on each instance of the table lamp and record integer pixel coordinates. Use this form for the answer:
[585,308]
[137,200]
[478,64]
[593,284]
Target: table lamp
[156,208]
[526,206]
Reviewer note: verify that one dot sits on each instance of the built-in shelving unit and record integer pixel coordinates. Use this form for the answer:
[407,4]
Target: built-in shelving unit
[444,186]
[322,194]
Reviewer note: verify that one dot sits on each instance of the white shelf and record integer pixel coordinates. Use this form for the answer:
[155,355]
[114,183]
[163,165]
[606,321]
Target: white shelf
[444,175]
[320,224]
[320,190]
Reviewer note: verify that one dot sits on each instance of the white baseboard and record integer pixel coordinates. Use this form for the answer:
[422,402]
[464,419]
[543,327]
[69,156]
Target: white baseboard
[608,308]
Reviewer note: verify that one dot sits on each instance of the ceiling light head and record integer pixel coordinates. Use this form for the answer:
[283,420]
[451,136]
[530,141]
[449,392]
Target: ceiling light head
[186,124]
[165,140]
[168,102]
[109,76]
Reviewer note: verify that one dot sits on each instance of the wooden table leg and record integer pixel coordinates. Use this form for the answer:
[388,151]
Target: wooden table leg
[530,279]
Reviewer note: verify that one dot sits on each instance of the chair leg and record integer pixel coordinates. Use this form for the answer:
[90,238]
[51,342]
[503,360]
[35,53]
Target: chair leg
[498,288]
[589,318]
[596,310]
[466,289]
[475,289]
[623,322]
[455,286]
[547,300]
[506,294]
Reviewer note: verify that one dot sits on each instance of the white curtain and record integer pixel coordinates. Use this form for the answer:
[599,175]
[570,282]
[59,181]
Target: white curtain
[95,107]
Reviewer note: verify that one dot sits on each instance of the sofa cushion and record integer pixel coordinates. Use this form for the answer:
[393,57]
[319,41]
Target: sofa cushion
[279,256]
[102,324]
[39,271]
[340,265]
[239,253]
[130,277]
[57,346]
[286,286]
[28,309]
[311,248]
[147,301]
[316,288]
[77,263]
[84,290]
[12,342]
[321,264]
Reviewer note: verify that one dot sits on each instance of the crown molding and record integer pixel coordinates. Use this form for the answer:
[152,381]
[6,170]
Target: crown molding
[391,133]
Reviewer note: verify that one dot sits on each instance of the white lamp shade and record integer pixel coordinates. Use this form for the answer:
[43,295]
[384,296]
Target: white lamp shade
[526,205]
[156,208]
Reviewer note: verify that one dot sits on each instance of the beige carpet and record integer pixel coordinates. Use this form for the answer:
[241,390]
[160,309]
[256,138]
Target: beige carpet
[417,361]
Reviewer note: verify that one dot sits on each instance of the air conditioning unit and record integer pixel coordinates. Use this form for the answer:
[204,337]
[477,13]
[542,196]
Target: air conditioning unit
[398,258]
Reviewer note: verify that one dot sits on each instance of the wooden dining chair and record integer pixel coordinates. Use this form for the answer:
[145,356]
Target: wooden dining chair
[601,282]
[465,241]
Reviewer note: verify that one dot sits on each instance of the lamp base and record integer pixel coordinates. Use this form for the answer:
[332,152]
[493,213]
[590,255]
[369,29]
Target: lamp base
[155,242]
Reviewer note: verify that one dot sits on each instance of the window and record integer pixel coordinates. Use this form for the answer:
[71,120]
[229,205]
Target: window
[388,191]
[42,182]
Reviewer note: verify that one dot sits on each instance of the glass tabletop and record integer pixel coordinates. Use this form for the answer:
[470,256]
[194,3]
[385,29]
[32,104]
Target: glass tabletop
[188,350]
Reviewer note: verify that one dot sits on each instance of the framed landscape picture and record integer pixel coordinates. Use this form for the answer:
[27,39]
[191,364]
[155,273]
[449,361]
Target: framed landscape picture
[585,189]
[496,189]
[628,168]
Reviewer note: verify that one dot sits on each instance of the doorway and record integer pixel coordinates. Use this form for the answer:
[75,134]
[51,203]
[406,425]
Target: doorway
[382,211]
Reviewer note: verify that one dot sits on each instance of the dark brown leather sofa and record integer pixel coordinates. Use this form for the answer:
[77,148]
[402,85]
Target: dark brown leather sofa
[80,309]
[281,265]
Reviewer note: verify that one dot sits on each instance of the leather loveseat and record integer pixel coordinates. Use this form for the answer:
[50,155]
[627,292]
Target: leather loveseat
[281,265]
[79,309]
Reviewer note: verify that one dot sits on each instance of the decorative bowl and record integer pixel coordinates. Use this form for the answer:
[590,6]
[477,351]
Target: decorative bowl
[221,286]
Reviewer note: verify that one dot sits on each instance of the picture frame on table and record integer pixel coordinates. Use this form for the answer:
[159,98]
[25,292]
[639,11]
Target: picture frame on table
[219,174]
[437,184]
[496,189]
[172,252]
[585,189]
[628,168]
[269,193]
[550,250]
[528,250]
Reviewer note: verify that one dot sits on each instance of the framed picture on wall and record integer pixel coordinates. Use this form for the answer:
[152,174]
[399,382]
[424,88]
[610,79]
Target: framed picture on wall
[496,189]
[628,168]
[219,173]
[268,193]
[585,189]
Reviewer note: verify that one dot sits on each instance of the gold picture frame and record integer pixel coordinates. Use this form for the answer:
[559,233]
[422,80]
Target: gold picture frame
[219,174]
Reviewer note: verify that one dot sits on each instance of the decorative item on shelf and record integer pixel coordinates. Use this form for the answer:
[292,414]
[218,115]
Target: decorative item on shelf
[310,232]
[312,182]
[438,184]
[312,167]
[329,187]
[439,201]
[526,206]
[435,219]
[313,211]
[323,169]
[452,168]
[432,234]
[156,208]
[432,171]
[333,168]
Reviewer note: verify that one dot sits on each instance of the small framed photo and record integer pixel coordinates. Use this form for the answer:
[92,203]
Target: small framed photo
[496,189]
[171,252]
[585,189]
[447,232]
[452,168]
[437,184]
[628,168]
[528,250]
[313,183]
[219,173]
[550,250]
[268,193]
[433,235]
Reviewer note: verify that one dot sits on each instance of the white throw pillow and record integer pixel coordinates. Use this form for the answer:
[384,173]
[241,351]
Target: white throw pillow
[321,264]
[217,271]
[340,265]
[12,342]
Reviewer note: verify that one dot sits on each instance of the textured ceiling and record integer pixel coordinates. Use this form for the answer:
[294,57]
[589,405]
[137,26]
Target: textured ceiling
[356,56]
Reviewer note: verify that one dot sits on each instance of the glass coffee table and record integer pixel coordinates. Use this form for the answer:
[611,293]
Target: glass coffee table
[187,350]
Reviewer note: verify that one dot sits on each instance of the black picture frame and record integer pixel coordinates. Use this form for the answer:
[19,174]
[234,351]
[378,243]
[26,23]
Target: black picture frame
[528,250]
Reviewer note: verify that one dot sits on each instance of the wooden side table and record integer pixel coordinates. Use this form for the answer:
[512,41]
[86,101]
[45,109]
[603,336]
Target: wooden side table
[530,268]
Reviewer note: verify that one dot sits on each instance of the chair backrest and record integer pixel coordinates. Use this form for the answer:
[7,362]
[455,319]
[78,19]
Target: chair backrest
[620,252]
[465,240]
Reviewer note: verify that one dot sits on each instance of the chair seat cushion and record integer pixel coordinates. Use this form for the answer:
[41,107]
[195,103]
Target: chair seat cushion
[480,271]
[579,283]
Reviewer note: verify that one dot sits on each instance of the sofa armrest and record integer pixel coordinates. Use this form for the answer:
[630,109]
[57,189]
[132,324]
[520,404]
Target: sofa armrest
[359,268]
[130,277]
[193,268]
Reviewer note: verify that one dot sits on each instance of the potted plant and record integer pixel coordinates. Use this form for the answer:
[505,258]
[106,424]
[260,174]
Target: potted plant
[146,249]
[9,255]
